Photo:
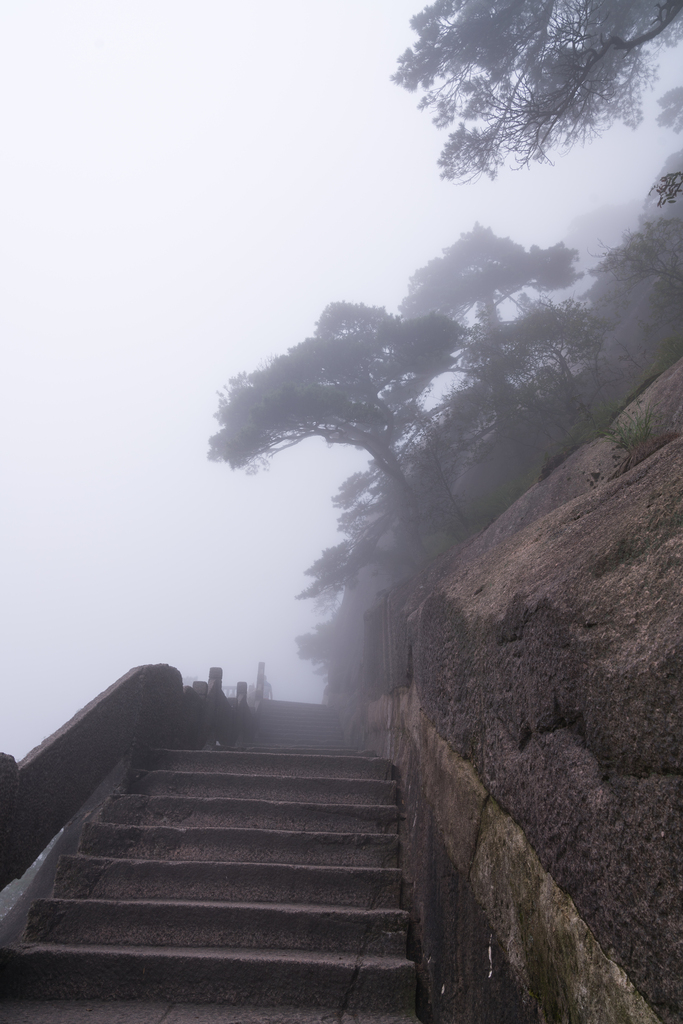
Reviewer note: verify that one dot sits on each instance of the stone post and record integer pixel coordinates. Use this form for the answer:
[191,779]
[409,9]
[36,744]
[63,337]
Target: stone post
[260,679]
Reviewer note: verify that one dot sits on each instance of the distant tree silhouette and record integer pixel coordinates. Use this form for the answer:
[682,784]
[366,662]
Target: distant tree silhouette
[523,386]
[359,381]
[483,269]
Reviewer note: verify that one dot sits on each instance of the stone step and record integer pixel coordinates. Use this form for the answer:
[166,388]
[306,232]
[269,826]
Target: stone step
[284,737]
[325,730]
[265,787]
[227,925]
[218,812]
[263,878]
[293,739]
[81,877]
[320,727]
[285,764]
[312,715]
[331,751]
[301,706]
[244,978]
[132,1011]
[313,723]
[319,723]
[245,845]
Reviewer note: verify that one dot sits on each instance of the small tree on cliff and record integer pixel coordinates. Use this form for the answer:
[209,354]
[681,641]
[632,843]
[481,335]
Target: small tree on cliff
[485,270]
[359,381]
[654,254]
[532,379]
[670,185]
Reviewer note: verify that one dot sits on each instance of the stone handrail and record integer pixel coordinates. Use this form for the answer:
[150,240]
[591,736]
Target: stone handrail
[147,707]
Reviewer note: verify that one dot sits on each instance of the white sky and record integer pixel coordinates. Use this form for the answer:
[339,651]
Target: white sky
[183,188]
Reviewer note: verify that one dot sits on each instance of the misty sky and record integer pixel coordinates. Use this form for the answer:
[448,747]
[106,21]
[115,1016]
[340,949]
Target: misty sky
[185,186]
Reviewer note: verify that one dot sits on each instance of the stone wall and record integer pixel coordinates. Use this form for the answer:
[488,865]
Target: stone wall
[40,794]
[529,688]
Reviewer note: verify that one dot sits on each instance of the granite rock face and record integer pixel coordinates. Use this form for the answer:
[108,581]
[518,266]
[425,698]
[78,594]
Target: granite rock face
[548,653]
[494,937]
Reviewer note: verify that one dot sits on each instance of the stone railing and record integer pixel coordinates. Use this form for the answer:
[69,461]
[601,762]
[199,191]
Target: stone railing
[148,707]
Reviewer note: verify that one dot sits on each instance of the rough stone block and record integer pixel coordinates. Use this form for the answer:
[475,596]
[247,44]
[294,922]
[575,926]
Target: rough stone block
[9,782]
[545,939]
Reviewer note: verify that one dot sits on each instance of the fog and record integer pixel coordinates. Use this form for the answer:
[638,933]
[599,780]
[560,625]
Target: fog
[184,188]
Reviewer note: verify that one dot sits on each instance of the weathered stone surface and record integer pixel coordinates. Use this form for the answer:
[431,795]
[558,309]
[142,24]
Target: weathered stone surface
[259,787]
[193,713]
[233,977]
[462,963]
[479,885]
[58,776]
[548,653]
[160,719]
[462,971]
[290,724]
[81,877]
[555,663]
[544,937]
[586,468]
[218,924]
[448,782]
[230,844]
[302,764]
[202,812]
[9,782]
[243,917]
[142,709]
[93,1011]
[38,881]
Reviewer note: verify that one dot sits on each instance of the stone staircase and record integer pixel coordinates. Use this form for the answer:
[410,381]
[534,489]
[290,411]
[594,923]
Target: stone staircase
[258,878]
[292,724]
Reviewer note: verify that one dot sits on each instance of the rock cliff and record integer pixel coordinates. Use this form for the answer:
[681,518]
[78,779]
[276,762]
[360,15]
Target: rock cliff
[529,686]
